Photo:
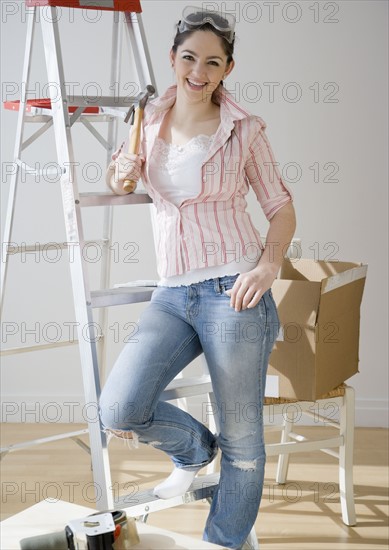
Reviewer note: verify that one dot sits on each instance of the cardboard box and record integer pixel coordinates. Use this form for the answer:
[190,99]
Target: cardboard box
[317,347]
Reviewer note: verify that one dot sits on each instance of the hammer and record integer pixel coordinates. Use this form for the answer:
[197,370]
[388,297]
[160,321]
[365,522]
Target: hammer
[135,137]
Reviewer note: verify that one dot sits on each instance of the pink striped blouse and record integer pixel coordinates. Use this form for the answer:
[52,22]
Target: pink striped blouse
[214,228]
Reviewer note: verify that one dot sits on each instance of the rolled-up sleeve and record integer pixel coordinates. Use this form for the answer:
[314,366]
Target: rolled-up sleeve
[263,174]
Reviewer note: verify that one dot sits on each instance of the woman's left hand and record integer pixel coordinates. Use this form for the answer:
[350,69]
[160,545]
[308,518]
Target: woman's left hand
[249,287]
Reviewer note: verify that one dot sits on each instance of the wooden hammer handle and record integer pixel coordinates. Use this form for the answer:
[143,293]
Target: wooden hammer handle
[133,147]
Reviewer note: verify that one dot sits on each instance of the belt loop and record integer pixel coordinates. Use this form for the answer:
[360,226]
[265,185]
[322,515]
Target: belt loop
[217,286]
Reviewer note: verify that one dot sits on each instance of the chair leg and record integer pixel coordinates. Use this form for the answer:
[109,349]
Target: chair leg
[283,459]
[346,486]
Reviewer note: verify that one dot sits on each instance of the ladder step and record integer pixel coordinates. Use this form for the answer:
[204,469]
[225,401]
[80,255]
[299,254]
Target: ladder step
[187,387]
[121,296]
[111,5]
[91,105]
[38,347]
[144,502]
[49,439]
[102,101]
[110,199]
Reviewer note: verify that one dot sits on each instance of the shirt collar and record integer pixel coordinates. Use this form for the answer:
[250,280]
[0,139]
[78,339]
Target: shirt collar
[229,109]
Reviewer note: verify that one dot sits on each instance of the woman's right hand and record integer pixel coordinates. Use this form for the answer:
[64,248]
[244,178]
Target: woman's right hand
[126,167]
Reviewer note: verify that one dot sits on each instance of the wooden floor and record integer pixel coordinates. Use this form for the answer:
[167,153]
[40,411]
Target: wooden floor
[303,514]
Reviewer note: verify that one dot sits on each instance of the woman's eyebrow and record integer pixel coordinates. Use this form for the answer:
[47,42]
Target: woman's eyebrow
[209,57]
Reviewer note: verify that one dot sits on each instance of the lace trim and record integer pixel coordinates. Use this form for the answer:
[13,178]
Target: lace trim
[169,154]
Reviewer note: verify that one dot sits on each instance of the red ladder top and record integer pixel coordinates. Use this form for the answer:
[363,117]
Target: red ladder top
[44,103]
[112,5]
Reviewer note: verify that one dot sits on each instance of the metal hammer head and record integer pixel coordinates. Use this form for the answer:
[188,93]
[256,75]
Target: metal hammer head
[150,90]
[142,99]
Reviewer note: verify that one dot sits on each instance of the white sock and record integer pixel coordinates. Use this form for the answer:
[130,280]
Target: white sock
[176,484]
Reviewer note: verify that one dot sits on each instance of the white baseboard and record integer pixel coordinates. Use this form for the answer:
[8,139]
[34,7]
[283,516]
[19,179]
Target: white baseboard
[372,413]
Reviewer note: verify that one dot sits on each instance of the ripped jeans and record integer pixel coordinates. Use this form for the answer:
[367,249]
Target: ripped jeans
[177,325]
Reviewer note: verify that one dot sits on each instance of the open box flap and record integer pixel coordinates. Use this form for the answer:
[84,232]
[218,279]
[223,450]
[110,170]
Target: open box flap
[341,279]
[305,269]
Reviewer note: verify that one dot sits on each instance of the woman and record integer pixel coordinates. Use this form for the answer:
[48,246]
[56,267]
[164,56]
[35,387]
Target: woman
[200,151]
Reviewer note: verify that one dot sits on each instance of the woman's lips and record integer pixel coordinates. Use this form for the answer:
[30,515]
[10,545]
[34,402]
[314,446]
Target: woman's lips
[194,86]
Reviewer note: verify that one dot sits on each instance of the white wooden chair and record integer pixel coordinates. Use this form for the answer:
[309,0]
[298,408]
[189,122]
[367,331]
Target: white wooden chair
[339,400]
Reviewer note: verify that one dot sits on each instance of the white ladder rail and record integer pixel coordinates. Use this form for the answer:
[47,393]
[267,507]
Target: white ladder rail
[78,267]
[105,272]
[9,218]
[137,37]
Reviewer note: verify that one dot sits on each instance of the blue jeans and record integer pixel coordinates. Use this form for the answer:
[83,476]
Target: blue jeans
[179,324]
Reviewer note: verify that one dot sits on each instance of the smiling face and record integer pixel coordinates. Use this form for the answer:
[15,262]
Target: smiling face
[200,64]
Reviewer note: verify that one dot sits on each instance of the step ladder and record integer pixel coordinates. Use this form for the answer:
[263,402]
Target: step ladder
[62,113]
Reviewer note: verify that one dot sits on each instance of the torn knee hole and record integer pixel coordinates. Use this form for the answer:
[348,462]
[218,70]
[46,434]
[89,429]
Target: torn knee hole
[245,465]
[122,434]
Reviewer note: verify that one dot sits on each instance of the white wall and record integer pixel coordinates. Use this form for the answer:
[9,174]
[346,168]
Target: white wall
[336,57]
